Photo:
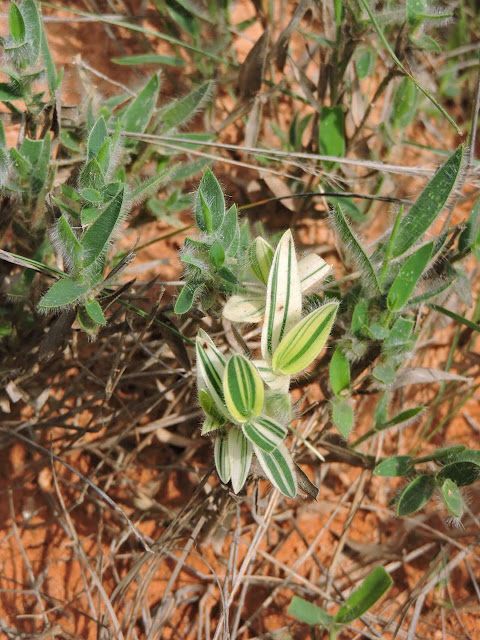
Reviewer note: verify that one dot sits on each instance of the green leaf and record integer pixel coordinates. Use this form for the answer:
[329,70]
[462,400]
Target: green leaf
[240,454]
[312,271]
[384,373]
[86,323]
[415,9]
[365,64]
[352,245]
[229,232]
[16,23]
[209,203]
[455,316]
[416,495]
[404,104]
[222,459]
[452,496]
[339,372]
[243,389]
[180,111]
[396,466]
[331,134]
[303,343]
[33,27]
[96,238]
[210,369]
[63,293]
[279,469]
[375,585]
[283,308]
[462,473]
[149,58]
[97,138]
[265,432]
[407,278]
[309,613]
[95,312]
[91,176]
[71,247]
[217,254]
[10,91]
[52,79]
[241,308]
[139,112]
[399,337]
[430,203]
[471,234]
[342,416]
[359,317]
[260,258]
[404,416]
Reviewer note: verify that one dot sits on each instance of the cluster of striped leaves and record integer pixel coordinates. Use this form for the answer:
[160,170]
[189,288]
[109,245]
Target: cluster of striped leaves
[247,402]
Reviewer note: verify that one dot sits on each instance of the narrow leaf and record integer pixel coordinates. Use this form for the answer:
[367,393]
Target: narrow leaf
[149,58]
[180,111]
[265,433]
[71,247]
[375,585]
[229,232]
[97,237]
[97,138]
[331,135]
[407,278]
[352,245]
[16,23]
[279,469]
[139,112]
[430,203]
[404,416]
[243,389]
[416,495]
[222,459]
[240,454]
[309,613]
[303,343]
[284,296]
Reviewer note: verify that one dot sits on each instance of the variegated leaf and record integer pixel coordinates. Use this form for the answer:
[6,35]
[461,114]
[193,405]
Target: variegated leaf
[279,469]
[283,308]
[240,454]
[210,368]
[312,270]
[243,389]
[244,308]
[264,432]
[274,381]
[303,343]
[260,257]
[210,426]
[222,458]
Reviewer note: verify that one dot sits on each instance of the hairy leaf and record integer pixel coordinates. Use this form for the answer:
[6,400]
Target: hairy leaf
[243,389]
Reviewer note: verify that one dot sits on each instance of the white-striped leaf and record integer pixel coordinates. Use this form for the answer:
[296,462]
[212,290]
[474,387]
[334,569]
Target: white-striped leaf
[283,308]
[243,389]
[303,343]
[210,426]
[279,469]
[264,432]
[260,257]
[210,369]
[244,308]
[312,271]
[240,454]
[274,381]
[222,458]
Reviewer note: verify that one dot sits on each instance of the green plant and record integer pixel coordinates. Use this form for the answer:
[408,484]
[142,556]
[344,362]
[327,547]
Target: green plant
[375,585]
